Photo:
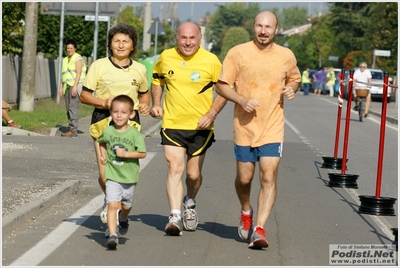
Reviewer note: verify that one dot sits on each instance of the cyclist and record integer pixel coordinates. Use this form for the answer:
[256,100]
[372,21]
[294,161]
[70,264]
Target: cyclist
[362,74]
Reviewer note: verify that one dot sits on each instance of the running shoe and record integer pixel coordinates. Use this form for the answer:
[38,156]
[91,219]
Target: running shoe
[107,233]
[258,239]
[112,242]
[190,219]
[123,225]
[174,226]
[245,225]
[103,213]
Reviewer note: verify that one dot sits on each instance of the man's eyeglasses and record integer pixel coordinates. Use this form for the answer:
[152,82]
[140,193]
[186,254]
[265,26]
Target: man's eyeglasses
[363,66]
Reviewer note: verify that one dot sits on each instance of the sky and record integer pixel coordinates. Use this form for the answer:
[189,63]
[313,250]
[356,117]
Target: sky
[197,10]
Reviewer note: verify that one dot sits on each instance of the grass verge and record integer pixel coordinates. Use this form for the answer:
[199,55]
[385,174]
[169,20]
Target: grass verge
[47,114]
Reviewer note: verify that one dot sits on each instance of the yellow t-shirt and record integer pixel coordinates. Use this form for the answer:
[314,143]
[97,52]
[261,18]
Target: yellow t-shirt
[260,75]
[106,79]
[189,86]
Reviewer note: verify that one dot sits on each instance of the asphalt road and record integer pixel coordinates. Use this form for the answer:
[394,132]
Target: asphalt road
[57,177]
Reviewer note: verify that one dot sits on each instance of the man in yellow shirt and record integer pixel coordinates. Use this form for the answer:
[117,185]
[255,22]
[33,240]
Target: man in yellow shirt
[189,73]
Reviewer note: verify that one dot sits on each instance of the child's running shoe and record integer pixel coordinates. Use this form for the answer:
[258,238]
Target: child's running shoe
[123,225]
[112,242]
[103,213]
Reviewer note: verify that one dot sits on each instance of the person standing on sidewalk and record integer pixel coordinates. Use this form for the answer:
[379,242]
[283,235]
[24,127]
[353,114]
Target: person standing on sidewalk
[256,76]
[331,81]
[112,76]
[72,76]
[319,80]
[305,80]
[121,147]
[361,76]
[188,112]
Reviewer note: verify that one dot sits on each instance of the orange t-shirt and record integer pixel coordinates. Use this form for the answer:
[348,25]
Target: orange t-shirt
[260,75]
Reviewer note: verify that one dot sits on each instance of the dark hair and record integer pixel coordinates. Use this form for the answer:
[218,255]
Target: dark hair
[71,41]
[124,29]
[124,99]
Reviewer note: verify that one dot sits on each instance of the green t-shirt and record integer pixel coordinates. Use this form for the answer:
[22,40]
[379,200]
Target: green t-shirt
[122,170]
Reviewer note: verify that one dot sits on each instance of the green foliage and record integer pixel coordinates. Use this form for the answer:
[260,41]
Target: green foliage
[233,37]
[383,35]
[293,16]
[351,31]
[13,30]
[134,17]
[237,14]
[242,15]
[74,27]
[359,28]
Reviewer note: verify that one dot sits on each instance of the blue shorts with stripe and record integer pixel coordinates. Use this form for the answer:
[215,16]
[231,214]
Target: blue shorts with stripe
[253,154]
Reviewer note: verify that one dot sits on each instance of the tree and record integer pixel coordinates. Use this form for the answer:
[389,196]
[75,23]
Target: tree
[238,14]
[233,37]
[293,16]
[349,23]
[383,35]
[13,27]
[27,90]
[134,17]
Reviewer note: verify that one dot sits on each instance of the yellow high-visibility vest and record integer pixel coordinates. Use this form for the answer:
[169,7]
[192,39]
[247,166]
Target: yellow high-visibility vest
[68,74]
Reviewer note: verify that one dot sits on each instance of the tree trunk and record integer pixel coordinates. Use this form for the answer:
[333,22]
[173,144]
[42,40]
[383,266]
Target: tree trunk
[27,91]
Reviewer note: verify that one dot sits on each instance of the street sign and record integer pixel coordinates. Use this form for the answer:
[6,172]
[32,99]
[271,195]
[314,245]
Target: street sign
[156,26]
[382,53]
[333,58]
[99,18]
[80,8]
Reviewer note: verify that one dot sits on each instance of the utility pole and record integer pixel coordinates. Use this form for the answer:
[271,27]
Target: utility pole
[166,12]
[27,91]
[147,23]
[175,11]
[60,49]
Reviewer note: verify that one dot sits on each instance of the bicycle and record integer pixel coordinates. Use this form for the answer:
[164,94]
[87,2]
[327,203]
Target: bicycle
[361,95]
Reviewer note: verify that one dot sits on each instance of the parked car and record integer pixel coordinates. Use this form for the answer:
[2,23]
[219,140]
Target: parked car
[377,91]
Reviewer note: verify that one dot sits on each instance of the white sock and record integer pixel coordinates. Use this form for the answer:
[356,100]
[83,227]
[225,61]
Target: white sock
[189,202]
[246,212]
[177,212]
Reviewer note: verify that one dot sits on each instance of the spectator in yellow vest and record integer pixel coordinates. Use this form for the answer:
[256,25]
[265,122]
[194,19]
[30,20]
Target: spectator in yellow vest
[305,80]
[331,81]
[72,77]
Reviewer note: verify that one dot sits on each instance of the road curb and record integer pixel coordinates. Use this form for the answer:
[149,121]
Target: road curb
[388,118]
[34,208]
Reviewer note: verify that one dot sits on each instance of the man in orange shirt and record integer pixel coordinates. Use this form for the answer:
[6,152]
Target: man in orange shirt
[257,75]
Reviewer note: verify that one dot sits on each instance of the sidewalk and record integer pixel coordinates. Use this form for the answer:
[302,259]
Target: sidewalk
[24,196]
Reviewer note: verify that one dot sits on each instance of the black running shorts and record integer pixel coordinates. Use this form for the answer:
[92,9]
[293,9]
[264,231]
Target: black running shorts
[196,142]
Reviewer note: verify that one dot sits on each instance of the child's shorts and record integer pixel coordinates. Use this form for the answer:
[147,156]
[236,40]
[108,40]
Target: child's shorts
[120,192]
